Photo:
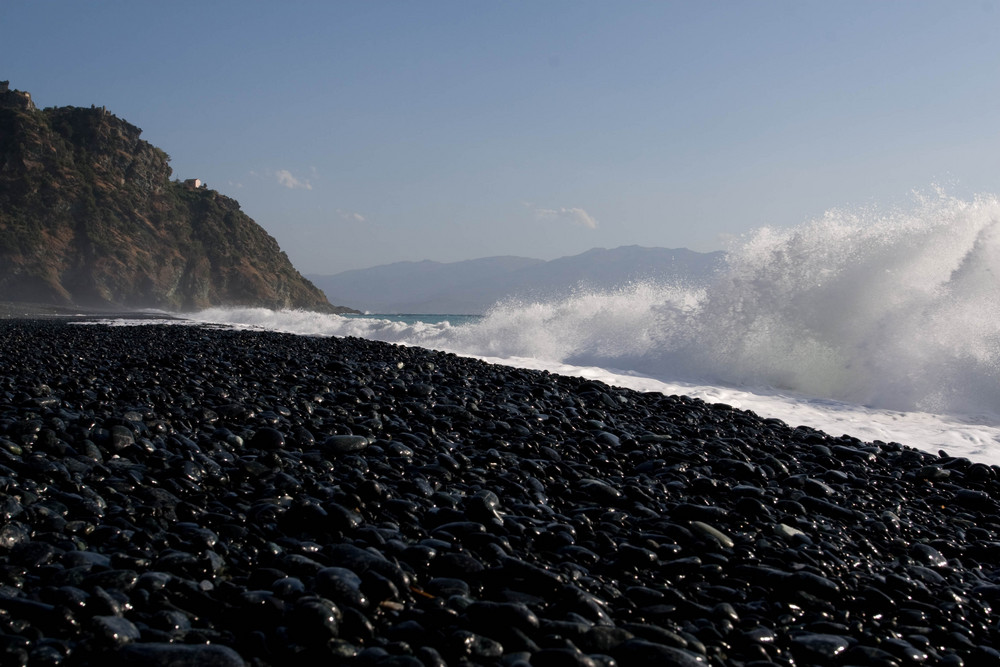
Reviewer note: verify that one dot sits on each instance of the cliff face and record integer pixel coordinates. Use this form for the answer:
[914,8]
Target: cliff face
[90,217]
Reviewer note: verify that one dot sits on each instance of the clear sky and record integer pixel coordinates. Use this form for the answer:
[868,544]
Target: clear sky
[362,133]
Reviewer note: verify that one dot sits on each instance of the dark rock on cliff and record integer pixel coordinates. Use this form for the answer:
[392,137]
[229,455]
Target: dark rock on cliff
[90,217]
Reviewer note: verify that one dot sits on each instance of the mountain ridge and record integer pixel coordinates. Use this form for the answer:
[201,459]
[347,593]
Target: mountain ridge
[472,286]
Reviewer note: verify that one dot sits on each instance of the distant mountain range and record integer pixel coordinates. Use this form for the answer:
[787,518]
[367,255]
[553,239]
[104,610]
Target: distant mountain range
[472,286]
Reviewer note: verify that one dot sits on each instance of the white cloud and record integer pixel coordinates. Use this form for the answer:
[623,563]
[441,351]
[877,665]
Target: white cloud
[286,179]
[575,215]
[352,216]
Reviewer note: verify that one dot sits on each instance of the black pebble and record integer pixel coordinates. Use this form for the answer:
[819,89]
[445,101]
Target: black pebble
[197,496]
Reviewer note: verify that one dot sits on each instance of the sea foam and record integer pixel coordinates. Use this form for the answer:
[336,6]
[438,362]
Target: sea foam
[894,311]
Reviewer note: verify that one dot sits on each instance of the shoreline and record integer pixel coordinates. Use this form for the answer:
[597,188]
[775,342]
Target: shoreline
[251,497]
[16,310]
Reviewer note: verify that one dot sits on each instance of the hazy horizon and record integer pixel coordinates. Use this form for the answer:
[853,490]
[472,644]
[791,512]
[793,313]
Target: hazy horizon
[529,257]
[360,134]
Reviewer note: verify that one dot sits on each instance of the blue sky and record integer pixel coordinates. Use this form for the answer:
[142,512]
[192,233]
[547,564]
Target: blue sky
[362,133]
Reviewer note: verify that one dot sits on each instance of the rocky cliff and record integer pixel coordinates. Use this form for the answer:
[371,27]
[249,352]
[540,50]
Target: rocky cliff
[89,216]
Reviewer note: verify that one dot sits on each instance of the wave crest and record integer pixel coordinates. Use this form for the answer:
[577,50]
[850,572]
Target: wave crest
[895,310]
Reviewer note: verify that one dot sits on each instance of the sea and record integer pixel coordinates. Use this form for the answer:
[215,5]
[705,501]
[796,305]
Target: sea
[881,323]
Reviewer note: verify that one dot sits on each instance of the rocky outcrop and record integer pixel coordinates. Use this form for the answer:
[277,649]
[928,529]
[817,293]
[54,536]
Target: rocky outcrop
[89,216]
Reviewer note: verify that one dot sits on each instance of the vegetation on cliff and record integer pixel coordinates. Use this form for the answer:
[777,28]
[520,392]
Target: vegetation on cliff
[89,216]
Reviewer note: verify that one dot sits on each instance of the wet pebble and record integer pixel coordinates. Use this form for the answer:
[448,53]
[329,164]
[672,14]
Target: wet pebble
[116,630]
[190,496]
[345,444]
[156,654]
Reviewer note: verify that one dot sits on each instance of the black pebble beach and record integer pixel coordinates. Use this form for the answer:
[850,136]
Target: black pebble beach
[184,495]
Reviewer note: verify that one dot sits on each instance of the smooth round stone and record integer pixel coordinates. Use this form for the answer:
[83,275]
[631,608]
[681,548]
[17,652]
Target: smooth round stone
[316,619]
[712,533]
[642,595]
[644,652]
[822,646]
[476,647]
[175,623]
[740,470]
[868,655]
[636,556]
[121,437]
[926,575]
[288,587]
[345,444]
[154,580]
[818,489]
[748,490]
[760,635]
[506,614]
[814,584]
[86,559]
[561,657]
[975,500]
[877,599]
[121,579]
[928,555]
[791,534]
[726,611]
[609,439]
[792,507]
[979,472]
[447,586]
[155,654]
[600,492]
[116,630]
[267,438]
[48,652]
[340,585]
[13,534]
[904,649]
[603,638]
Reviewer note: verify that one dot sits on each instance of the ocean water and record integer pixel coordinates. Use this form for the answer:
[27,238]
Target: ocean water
[882,324]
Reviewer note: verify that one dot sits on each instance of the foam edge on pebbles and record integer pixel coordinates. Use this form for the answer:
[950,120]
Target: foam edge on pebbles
[195,496]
